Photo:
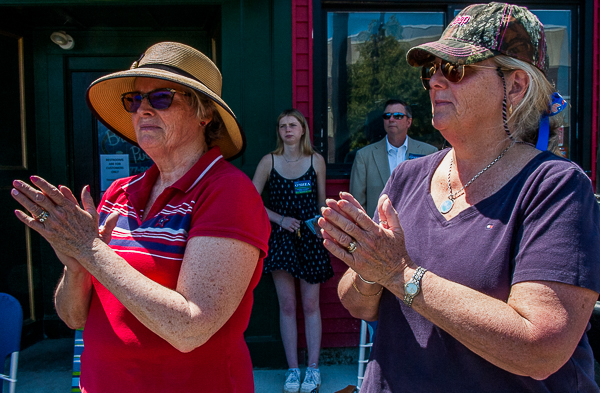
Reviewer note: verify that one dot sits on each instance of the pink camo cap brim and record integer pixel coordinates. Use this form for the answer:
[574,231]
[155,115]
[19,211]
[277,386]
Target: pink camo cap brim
[450,50]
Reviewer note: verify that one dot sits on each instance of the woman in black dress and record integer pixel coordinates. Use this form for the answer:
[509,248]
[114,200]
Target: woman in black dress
[295,174]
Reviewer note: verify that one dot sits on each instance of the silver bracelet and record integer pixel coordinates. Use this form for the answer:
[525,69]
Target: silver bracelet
[367,281]
[281,221]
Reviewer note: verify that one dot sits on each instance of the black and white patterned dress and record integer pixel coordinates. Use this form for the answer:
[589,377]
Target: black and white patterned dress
[302,256]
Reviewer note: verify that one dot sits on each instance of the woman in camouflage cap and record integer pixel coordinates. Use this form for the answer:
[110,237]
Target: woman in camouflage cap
[482,263]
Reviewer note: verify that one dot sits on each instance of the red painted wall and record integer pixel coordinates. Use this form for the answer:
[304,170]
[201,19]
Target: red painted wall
[340,329]
[302,58]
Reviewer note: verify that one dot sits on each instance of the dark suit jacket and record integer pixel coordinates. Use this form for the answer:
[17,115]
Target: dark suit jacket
[371,170]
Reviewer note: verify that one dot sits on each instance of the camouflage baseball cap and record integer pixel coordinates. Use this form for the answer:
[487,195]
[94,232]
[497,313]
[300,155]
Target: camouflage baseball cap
[481,31]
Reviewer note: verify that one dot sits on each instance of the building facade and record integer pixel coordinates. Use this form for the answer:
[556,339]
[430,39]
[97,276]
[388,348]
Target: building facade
[337,61]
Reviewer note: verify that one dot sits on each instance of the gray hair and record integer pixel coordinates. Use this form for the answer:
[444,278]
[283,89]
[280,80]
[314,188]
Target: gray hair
[206,107]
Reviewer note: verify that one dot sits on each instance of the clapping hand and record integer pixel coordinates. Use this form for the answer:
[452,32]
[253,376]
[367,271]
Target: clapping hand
[376,251]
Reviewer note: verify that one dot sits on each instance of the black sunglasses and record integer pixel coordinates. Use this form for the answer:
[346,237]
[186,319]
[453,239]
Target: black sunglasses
[158,99]
[397,115]
[451,71]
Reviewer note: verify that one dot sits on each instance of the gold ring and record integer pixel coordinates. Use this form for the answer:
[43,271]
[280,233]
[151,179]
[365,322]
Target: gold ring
[43,216]
[351,247]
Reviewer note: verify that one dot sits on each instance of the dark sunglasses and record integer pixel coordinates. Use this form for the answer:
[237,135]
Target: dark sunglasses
[158,99]
[451,71]
[397,115]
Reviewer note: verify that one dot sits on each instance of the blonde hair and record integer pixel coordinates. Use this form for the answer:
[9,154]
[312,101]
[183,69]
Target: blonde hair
[525,117]
[306,147]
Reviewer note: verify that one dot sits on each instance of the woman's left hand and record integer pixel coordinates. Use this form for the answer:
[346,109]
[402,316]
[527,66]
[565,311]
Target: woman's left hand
[69,228]
[380,254]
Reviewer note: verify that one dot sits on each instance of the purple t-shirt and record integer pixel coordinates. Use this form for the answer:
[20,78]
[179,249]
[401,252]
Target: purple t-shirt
[543,225]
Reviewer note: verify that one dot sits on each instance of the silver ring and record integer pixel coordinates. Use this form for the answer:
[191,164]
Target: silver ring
[43,216]
[351,247]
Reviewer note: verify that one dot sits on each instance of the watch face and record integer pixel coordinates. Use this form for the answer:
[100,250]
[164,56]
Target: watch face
[411,289]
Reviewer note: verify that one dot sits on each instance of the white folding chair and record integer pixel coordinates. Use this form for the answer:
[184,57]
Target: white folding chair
[366,342]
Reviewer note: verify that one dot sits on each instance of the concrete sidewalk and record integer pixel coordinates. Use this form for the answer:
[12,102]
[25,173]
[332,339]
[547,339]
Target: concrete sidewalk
[46,367]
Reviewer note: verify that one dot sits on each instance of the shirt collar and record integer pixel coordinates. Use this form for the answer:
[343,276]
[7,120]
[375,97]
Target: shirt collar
[393,148]
[146,180]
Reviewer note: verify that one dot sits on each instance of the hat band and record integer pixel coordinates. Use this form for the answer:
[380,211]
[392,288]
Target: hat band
[177,71]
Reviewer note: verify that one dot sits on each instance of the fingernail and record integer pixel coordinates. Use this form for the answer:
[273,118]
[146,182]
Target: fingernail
[33,178]
[340,194]
[14,192]
[87,188]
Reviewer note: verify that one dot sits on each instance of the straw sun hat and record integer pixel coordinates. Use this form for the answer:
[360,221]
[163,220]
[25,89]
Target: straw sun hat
[170,61]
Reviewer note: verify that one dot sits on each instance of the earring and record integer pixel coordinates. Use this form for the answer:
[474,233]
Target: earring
[510,109]
[202,123]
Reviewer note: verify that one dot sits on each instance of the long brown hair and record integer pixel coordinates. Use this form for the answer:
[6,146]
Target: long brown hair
[306,147]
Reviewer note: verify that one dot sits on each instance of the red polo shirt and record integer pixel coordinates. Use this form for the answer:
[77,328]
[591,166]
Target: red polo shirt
[213,199]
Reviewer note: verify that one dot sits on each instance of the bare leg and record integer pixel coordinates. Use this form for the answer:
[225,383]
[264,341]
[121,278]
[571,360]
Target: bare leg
[286,294]
[312,320]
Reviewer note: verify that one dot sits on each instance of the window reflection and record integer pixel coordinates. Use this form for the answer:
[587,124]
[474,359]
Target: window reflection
[366,66]
[557,26]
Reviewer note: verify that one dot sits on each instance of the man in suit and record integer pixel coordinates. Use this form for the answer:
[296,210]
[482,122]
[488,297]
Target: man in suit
[374,163]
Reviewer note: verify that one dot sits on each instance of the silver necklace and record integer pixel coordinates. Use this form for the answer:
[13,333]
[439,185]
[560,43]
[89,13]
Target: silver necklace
[296,160]
[448,204]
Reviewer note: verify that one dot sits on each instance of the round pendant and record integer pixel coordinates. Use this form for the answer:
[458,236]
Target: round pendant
[446,206]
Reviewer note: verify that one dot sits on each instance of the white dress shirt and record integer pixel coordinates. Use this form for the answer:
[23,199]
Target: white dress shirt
[396,155]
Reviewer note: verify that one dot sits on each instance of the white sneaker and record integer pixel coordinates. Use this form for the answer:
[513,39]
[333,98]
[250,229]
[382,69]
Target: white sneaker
[312,381]
[292,381]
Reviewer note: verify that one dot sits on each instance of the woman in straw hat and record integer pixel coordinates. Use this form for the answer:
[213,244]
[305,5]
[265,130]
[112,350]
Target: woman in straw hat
[482,264]
[164,288]
[295,174]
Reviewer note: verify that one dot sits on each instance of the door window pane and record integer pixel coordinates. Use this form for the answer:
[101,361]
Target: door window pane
[110,143]
[366,66]
[557,26]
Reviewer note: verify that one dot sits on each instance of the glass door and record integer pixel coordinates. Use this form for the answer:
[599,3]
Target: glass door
[366,66]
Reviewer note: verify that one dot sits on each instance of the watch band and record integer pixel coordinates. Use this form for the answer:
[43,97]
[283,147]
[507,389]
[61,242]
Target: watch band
[416,281]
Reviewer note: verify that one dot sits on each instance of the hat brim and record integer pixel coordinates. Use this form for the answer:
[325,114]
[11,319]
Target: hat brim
[104,100]
[450,50]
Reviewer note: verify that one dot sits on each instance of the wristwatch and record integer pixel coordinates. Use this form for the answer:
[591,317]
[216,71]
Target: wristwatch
[413,287]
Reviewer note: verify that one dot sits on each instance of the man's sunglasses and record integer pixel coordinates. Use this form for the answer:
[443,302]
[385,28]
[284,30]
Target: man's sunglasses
[158,99]
[397,115]
[451,71]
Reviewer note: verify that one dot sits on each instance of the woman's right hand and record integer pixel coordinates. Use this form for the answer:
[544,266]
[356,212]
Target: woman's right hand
[380,253]
[290,224]
[105,233]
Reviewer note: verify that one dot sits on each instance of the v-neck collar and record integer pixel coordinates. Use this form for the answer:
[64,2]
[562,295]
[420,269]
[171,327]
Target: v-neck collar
[473,209]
